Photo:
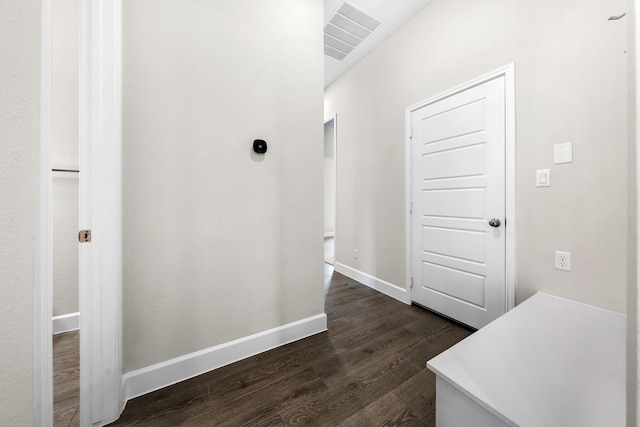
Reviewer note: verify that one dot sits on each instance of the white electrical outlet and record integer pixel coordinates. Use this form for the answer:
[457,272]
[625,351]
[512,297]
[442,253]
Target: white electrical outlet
[563,260]
[355,253]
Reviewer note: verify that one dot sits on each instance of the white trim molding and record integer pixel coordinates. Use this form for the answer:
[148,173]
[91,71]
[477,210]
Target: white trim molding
[43,274]
[329,234]
[155,377]
[65,323]
[100,261]
[379,285]
[508,71]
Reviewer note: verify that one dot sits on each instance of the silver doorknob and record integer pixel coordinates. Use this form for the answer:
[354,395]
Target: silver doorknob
[495,222]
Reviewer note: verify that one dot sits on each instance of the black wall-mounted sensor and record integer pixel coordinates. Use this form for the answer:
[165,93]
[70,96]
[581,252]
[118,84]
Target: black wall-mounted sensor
[260,146]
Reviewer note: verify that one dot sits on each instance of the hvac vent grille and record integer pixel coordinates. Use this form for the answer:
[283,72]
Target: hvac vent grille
[346,29]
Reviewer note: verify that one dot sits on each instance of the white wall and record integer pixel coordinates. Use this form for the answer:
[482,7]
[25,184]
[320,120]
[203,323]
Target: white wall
[219,243]
[570,86]
[633,329]
[64,154]
[329,179]
[19,136]
[65,243]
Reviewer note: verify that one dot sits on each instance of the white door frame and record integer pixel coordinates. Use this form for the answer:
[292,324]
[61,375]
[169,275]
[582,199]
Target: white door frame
[508,71]
[101,391]
[43,275]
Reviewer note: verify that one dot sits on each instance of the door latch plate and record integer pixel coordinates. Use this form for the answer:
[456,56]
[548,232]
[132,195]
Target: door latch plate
[84,236]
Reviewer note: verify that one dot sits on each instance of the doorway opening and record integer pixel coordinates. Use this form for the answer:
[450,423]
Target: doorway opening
[460,190]
[65,181]
[99,209]
[329,190]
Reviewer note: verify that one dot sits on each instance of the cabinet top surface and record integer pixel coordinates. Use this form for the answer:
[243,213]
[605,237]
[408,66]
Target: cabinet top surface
[548,362]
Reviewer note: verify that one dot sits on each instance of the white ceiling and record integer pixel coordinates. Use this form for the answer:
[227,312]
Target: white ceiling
[392,13]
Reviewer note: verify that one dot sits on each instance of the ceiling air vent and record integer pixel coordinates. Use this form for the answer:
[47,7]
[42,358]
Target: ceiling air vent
[346,29]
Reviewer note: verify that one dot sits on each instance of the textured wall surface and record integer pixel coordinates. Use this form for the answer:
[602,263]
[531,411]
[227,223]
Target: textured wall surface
[219,242]
[19,128]
[570,86]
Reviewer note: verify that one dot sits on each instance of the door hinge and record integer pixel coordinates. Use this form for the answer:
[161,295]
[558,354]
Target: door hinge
[411,286]
[84,236]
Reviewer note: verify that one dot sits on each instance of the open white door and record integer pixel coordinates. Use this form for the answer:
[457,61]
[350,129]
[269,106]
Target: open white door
[458,193]
[101,397]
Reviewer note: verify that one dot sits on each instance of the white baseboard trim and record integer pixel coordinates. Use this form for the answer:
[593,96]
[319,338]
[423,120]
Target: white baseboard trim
[373,282]
[155,377]
[329,234]
[65,323]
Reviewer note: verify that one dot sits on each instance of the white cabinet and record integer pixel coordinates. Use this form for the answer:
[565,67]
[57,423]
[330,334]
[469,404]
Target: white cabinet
[548,362]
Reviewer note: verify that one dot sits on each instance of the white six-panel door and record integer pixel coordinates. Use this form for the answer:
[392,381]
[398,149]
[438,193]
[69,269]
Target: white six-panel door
[457,189]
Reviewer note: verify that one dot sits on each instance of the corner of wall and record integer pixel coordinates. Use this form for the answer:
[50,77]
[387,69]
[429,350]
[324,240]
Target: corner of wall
[389,289]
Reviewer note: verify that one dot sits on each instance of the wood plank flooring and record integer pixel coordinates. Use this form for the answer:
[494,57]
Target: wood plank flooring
[66,379]
[367,370]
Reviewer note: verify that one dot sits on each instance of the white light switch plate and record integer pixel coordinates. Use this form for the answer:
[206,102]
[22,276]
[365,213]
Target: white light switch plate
[563,153]
[543,178]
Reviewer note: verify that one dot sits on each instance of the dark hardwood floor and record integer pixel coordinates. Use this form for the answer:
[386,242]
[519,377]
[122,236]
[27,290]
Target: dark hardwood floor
[66,379]
[368,369]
